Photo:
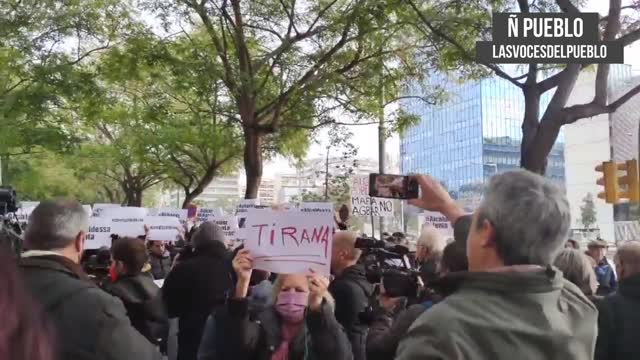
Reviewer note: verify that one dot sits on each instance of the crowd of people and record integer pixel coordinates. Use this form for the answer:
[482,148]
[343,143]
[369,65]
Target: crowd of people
[510,285]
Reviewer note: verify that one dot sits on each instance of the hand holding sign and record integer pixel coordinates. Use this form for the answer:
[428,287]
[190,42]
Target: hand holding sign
[318,286]
[243,266]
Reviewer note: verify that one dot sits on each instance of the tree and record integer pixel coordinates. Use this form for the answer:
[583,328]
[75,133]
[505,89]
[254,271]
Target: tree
[284,63]
[588,212]
[455,27]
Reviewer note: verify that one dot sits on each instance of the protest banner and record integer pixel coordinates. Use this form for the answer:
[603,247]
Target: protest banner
[438,221]
[23,214]
[99,233]
[180,214]
[126,221]
[207,214]
[29,204]
[364,205]
[316,207]
[228,224]
[162,228]
[290,242]
[99,208]
[242,210]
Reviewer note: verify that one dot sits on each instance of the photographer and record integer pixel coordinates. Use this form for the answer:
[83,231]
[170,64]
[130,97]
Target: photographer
[350,289]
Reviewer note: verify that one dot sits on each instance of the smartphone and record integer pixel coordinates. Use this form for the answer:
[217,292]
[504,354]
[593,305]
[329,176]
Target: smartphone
[393,186]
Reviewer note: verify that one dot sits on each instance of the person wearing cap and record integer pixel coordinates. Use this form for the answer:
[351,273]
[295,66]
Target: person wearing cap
[197,286]
[607,279]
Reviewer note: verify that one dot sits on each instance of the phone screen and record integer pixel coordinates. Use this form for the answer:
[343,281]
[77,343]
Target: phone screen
[393,186]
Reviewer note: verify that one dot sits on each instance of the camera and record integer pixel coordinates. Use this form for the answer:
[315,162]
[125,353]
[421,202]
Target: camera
[10,229]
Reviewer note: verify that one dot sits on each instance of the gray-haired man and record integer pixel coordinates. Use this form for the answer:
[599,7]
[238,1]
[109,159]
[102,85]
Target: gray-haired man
[88,322]
[512,303]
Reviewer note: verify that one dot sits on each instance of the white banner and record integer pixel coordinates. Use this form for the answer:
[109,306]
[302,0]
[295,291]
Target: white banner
[99,208]
[163,228]
[126,221]
[438,221]
[29,204]
[99,233]
[290,242]
[228,224]
[317,207]
[180,214]
[363,205]
[207,214]
[242,210]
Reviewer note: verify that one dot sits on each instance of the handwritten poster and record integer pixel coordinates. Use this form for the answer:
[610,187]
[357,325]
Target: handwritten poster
[99,233]
[242,210]
[364,205]
[290,242]
[163,228]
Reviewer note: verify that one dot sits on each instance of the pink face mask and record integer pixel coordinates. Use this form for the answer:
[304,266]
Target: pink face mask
[291,304]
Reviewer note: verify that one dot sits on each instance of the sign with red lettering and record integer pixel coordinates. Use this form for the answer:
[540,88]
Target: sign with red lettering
[290,242]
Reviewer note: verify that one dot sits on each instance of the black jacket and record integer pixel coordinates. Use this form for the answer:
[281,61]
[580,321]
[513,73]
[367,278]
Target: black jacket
[142,300]
[90,324]
[160,265]
[352,292]
[192,290]
[619,322]
[387,330]
[322,338]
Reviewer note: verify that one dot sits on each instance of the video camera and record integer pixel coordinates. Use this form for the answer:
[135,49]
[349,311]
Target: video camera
[382,258]
[10,229]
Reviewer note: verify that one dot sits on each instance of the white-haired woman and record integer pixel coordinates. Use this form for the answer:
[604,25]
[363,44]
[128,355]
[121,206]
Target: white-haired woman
[299,326]
[576,267]
[430,244]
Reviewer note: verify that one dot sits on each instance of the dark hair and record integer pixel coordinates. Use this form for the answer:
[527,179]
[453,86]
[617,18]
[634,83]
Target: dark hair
[461,229]
[454,257]
[132,252]
[24,333]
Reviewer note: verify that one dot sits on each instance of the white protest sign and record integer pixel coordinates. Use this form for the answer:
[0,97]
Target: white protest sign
[363,205]
[29,204]
[126,221]
[180,214]
[162,228]
[88,210]
[242,210]
[99,233]
[438,221]
[98,208]
[206,214]
[290,242]
[23,214]
[228,224]
[316,207]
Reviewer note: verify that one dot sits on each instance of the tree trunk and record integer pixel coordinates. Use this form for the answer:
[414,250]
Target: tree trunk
[133,197]
[190,195]
[252,162]
[530,122]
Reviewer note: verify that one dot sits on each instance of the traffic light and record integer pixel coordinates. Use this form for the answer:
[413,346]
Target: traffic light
[620,181]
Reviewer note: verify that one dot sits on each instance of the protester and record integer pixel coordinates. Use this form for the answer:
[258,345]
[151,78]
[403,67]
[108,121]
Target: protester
[350,289]
[139,294]
[88,322]
[159,259]
[511,301]
[605,273]
[619,320]
[387,329]
[198,285]
[24,333]
[300,325]
[576,267]
[430,243]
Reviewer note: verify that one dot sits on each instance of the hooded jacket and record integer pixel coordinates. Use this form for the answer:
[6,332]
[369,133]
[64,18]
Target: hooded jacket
[504,316]
[619,322]
[352,292]
[143,302]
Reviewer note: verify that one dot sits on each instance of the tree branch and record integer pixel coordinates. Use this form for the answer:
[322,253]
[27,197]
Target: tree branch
[567,6]
[574,113]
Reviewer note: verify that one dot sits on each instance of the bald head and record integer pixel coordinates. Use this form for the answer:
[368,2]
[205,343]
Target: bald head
[343,251]
[56,224]
[627,259]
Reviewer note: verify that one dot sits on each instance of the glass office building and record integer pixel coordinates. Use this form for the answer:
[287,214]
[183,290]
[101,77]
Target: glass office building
[473,135]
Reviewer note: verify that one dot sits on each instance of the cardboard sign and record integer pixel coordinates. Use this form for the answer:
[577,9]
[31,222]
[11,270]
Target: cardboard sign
[364,205]
[180,214]
[99,233]
[99,208]
[438,221]
[316,207]
[290,242]
[207,214]
[163,228]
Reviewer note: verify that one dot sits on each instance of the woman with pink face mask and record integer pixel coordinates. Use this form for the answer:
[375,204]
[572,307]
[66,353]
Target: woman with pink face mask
[299,326]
